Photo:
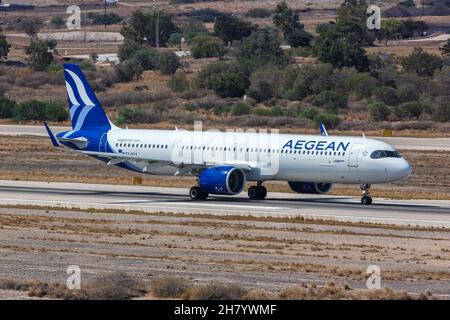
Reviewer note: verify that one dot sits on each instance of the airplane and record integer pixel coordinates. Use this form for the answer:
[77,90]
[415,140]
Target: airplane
[224,161]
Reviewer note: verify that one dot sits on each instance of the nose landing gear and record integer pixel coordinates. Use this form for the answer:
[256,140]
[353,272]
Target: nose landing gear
[366,199]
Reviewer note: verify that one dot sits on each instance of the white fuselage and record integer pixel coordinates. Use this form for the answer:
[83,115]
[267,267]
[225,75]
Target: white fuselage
[321,159]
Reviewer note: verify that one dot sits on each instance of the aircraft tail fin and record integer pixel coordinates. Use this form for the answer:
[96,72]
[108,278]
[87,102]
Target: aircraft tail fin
[86,112]
[323,130]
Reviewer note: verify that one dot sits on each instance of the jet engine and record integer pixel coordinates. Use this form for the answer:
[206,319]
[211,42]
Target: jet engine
[222,180]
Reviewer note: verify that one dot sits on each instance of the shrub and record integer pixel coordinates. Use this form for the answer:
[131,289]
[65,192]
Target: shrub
[442,112]
[178,82]
[58,21]
[148,58]
[329,120]
[240,108]
[216,291]
[168,62]
[205,15]
[264,84]
[387,95]
[7,107]
[206,46]
[169,287]
[115,286]
[128,48]
[413,108]
[39,110]
[310,79]
[258,13]
[309,113]
[129,70]
[330,100]
[230,84]
[379,112]
[128,116]
[110,18]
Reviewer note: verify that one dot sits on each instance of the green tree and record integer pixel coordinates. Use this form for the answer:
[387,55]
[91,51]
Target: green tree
[331,47]
[289,23]
[230,28]
[262,47]
[142,27]
[168,62]
[128,48]
[175,39]
[351,21]
[4,46]
[422,63]
[39,55]
[206,46]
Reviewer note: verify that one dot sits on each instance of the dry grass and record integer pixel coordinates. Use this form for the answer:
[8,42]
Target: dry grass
[121,286]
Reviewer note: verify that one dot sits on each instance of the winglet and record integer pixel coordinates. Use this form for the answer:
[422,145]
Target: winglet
[323,131]
[51,135]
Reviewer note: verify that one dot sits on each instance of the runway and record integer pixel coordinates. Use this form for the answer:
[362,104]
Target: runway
[176,200]
[401,143]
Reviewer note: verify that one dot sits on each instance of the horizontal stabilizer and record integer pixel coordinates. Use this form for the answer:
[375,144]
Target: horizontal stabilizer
[51,135]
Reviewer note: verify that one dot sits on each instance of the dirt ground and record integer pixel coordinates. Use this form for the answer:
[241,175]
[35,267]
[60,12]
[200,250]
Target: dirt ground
[257,253]
[33,158]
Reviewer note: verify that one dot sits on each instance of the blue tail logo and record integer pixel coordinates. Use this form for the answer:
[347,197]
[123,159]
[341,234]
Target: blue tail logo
[86,112]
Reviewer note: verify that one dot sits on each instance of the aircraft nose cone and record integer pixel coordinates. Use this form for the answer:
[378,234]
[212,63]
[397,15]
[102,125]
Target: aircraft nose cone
[405,170]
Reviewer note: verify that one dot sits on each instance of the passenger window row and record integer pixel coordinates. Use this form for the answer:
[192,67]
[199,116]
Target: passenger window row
[142,146]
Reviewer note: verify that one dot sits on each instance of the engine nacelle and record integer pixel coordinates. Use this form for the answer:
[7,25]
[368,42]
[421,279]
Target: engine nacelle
[310,187]
[222,180]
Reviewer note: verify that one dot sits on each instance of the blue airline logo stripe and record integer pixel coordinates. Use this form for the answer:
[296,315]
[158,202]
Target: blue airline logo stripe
[316,145]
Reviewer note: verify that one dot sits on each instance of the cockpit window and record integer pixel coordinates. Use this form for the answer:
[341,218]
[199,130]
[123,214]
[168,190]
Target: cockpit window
[379,154]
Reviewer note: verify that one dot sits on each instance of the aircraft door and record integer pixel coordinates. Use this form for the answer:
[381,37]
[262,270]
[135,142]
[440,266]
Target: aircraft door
[354,154]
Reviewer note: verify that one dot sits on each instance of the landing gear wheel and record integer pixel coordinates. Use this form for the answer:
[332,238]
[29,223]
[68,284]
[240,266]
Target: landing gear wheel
[366,200]
[262,192]
[257,192]
[196,193]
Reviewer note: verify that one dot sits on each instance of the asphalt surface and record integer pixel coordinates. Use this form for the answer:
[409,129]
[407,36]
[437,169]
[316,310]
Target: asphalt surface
[156,199]
[401,143]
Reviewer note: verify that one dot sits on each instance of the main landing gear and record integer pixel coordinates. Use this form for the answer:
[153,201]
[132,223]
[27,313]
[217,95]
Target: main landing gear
[257,192]
[197,193]
[366,199]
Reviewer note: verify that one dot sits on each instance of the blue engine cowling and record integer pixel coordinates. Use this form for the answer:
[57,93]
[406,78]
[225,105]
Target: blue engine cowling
[222,180]
[310,187]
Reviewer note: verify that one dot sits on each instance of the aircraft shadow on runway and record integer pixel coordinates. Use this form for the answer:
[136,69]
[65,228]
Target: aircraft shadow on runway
[345,200]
